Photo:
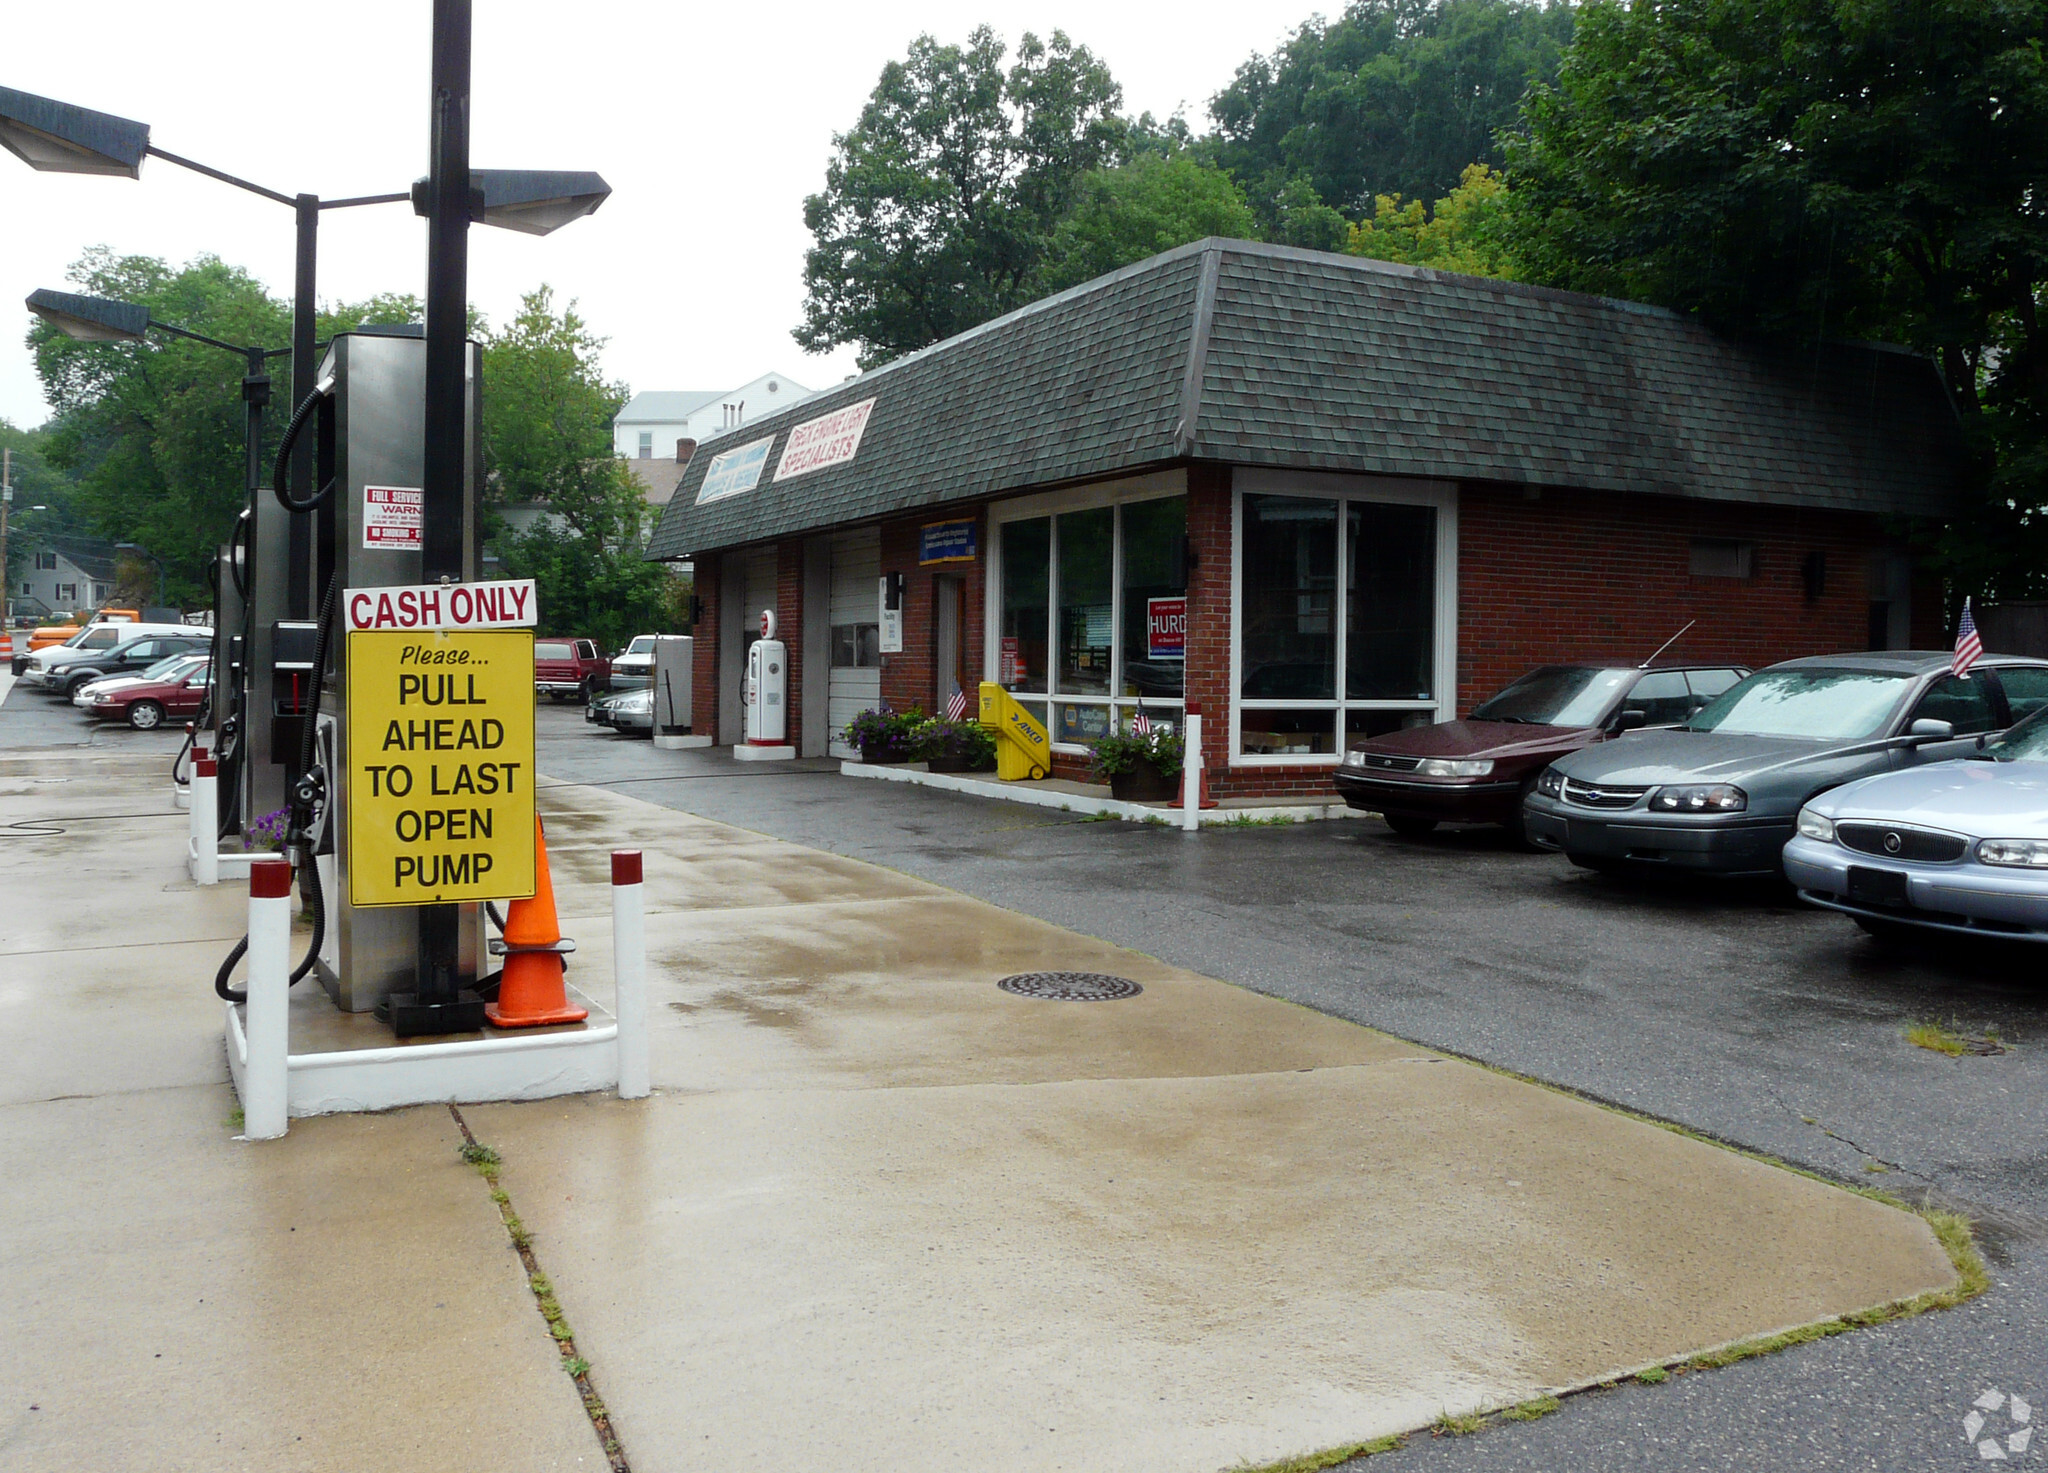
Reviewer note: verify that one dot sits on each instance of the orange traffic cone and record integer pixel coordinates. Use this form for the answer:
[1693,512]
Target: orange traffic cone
[530,989]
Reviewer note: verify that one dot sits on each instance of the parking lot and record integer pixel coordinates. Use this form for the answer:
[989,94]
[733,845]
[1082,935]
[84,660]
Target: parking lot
[1728,1009]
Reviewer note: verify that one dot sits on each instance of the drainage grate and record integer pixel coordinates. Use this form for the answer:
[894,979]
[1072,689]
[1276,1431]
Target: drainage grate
[1070,986]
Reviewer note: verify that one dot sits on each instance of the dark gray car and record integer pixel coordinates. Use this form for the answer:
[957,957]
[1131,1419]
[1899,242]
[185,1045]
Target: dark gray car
[1721,792]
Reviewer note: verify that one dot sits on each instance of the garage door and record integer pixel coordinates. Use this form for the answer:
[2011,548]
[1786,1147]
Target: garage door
[856,683]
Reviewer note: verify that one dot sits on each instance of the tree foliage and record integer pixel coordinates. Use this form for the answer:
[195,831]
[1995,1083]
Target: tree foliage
[939,202]
[1821,168]
[1152,204]
[1464,232]
[1394,97]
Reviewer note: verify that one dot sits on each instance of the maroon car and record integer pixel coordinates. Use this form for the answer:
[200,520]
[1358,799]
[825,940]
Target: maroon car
[1478,770]
[148,704]
[563,668]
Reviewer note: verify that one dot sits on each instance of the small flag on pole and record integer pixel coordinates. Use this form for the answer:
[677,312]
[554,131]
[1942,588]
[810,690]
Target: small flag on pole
[956,704]
[1141,724]
[1969,648]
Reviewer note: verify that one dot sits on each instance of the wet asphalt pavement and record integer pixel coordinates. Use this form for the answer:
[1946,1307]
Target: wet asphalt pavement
[1734,1011]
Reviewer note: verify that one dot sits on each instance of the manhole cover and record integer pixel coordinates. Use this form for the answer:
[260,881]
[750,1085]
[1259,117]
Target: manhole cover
[1070,986]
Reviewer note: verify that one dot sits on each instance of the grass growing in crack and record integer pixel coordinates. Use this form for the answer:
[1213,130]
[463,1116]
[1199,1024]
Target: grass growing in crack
[1330,1457]
[1531,1410]
[235,1119]
[478,1154]
[1935,1039]
[576,1365]
[1447,1425]
[1654,1376]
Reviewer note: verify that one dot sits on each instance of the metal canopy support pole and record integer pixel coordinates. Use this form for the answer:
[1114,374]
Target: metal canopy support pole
[437,982]
[305,367]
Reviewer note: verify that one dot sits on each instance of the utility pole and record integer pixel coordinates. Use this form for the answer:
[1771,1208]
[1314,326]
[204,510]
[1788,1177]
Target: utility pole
[6,506]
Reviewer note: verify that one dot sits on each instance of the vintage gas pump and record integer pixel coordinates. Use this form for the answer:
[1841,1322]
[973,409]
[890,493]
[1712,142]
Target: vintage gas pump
[767,688]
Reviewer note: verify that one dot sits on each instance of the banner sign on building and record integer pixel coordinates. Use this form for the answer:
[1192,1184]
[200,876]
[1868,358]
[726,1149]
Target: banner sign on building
[946,542]
[734,471]
[440,766]
[505,605]
[391,517]
[1166,628]
[826,440]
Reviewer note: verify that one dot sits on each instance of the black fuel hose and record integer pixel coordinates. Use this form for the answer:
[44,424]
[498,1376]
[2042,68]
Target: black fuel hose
[301,835]
[299,417]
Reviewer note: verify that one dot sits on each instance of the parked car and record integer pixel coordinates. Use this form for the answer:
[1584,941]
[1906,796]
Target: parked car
[134,656]
[45,635]
[149,704]
[569,667]
[634,665]
[1951,847]
[1720,792]
[171,667]
[627,711]
[1479,770]
[108,649]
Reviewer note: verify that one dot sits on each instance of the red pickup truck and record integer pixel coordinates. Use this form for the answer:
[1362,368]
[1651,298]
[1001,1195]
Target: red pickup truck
[570,667]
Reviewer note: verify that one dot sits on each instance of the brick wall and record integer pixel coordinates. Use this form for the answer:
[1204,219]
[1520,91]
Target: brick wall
[704,652]
[789,628]
[908,679]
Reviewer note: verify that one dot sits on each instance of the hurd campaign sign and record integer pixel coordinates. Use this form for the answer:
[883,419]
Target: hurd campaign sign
[826,440]
[1166,628]
[507,605]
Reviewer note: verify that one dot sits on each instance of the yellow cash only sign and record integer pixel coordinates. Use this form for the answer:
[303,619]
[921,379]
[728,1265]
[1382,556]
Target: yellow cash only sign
[440,766]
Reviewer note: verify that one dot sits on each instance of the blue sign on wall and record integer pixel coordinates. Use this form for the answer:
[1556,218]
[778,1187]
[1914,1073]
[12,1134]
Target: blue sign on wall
[945,542]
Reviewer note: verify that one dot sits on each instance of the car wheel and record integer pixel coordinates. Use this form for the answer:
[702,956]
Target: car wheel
[1408,826]
[72,687]
[145,715]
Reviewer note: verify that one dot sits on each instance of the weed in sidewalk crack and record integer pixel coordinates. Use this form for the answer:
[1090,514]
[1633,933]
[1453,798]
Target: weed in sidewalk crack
[1330,1457]
[487,1161]
[1447,1425]
[1529,1411]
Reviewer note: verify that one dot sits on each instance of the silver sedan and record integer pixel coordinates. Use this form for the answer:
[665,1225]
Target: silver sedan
[1956,846]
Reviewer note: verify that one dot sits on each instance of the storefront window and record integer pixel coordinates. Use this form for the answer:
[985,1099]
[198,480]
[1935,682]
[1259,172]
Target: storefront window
[1155,608]
[1390,610]
[1288,598]
[1087,543]
[1264,733]
[1027,582]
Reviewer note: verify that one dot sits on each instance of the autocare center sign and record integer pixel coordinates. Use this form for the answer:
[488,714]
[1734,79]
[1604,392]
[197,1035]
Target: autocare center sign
[440,743]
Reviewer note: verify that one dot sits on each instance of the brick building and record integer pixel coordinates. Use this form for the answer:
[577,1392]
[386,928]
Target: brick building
[1325,496]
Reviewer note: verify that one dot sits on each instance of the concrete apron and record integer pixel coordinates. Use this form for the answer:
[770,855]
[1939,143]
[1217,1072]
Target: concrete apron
[882,1215]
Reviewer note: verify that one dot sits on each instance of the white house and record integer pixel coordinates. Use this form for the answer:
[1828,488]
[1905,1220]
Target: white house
[63,574]
[651,423]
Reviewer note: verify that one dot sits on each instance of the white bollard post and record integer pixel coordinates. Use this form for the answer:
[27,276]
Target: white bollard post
[629,971]
[205,824]
[1191,770]
[265,1023]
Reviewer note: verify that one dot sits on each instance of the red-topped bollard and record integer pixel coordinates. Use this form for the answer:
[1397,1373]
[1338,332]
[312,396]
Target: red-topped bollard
[629,972]
[265,1026]
[205,843]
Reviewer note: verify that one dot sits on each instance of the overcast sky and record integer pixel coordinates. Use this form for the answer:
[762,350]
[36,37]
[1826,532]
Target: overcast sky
[711,123]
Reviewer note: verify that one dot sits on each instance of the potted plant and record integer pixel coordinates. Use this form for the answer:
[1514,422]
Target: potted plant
[886,736]
[1142,766]
[267,834]
[958,746]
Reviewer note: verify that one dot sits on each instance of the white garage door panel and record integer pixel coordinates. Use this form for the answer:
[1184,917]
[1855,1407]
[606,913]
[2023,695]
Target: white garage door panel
[856,571]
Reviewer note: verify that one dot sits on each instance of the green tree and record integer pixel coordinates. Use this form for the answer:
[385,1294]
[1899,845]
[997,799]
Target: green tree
[939,203]
[36,483]
[1155,202]
[1464,232]
[1394,97]
[585,557]
[1822,168]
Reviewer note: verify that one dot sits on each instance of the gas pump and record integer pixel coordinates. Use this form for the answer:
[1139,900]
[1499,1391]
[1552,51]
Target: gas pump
[767,688]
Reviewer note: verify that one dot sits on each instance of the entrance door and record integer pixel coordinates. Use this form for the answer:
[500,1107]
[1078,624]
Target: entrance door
[856,604]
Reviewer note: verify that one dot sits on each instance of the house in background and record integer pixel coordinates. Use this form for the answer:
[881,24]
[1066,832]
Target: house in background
[62,574]
[658,429]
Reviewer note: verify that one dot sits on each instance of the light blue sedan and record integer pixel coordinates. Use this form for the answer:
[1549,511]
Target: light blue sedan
[1954,846]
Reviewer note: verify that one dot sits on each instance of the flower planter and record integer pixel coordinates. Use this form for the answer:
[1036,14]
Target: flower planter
[1143,783]
[883,754]
[948,762]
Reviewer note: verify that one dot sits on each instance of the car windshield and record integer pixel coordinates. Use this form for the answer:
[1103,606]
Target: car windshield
[1824,705]
[553,652]
[1556,695]
[168,665]
[642,645]
[2027,742]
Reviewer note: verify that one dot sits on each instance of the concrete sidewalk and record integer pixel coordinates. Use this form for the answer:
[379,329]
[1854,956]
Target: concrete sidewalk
[879,1214]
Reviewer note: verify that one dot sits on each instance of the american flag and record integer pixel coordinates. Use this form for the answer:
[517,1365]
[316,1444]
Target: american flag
[956,704]
[1969,648]
[1141,724]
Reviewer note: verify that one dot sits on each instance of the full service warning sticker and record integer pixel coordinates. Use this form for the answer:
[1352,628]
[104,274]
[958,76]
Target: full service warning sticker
[391,517]
[440,766]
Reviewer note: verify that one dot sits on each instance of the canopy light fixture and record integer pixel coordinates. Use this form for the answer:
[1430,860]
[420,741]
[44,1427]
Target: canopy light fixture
[90,319]
[62,139]
[531,201]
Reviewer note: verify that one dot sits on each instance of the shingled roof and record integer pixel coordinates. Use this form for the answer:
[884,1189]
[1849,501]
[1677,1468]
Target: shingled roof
[1248,354]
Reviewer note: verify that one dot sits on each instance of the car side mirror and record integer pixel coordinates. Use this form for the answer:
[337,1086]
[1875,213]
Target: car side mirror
[1929,729]
[1631,720]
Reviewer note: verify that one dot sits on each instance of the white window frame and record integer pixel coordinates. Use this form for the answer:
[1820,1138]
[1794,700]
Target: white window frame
[1123,492]
[1443,496]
